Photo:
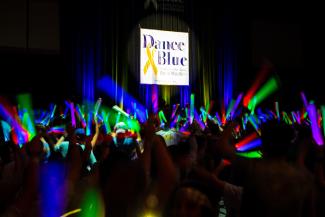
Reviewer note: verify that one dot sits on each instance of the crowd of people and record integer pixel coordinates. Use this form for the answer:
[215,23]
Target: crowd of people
[138,172]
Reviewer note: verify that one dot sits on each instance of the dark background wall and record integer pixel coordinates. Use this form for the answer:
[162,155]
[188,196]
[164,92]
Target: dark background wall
[33,55]
[30,53]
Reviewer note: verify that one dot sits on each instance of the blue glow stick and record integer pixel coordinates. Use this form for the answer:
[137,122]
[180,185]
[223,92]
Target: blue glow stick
[314,125]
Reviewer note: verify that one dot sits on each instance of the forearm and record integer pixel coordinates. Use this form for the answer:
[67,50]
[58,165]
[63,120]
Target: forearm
[145,159]
[166,171]
[30,190]
[59,141]
[95,137]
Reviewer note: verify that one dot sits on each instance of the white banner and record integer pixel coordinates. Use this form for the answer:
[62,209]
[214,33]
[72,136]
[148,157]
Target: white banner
[164,57]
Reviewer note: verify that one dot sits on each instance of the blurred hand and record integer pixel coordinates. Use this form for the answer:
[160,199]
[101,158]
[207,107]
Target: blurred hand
[226,143]
[70,129]
[148,130]
[35,146]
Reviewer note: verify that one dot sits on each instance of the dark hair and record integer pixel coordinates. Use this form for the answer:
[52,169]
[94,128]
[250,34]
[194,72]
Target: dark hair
[5,151]
[277,138]
[207,210]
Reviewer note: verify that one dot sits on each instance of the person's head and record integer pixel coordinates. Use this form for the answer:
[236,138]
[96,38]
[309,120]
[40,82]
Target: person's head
[120,130]
[80,135]
[102,151]
[277,138]
[182,154]
[7,152]
[35,148]
[192,200]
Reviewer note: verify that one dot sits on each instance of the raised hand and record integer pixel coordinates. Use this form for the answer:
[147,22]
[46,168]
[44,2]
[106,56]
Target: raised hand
[35,147]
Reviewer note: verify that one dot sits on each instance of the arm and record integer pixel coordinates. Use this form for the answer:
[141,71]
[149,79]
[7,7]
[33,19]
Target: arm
[223,145]
[95,137]
[59,141]
[166,172]
[161,186]
[24,201]
[145,156]
[88,149]
[30,189]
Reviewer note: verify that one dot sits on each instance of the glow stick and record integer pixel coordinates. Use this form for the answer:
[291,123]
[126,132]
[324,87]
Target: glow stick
[319,118]
[257,83]
[135,110]
[223,113]
[254,124]
[71,212]
[272,114]
[6,130]
[217,117]
[294,117]
[230,107]
[49,116]
[118,109]
[147,115]
[198,120]
[118,116]
[25,103]
[204,114]
[246,140]
[298,117]
[154,98]
[207,107]
[112,89]
[134,125]
[175,107]
[73,118]
[89,124]
[305,115]
[323,118]
[215,120]
[97,105]
[286,118]
[29,126]
[162,116]
[253,144]
[53,111]
[234,108]
[251,154]
[92,204]
[64,115]
[243,123]
[261,117]
[304,99]
[256,119]
[277,110]
[20,135]
[192,108]
[252,105]
[106,121]
[41,117]
[58,129]
[80,116]
[268,88]
[314,126]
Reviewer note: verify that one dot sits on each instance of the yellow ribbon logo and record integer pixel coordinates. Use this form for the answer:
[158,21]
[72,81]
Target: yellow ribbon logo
[150,60]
